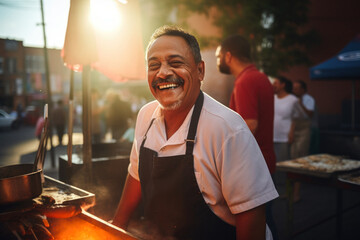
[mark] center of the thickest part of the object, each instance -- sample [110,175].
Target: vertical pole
[48,86]
[87,153]
[71,120]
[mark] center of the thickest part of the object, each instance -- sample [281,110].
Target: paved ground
[20,146]
[317,202]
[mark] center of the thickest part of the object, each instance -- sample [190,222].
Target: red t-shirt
[253,98]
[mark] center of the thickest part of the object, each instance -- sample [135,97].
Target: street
[15,143]
[20,146]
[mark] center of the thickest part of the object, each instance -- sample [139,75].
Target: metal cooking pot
[19,183]
[23,182]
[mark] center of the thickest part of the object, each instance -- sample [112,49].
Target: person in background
[19,111]
[252,98]
[302,132]
[304,121]
[59,120]
[194,162]
[128,136]
[117,115]
[286,105]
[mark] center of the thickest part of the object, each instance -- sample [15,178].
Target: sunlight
[105,14]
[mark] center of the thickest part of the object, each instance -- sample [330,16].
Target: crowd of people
[198,169]
[112,118]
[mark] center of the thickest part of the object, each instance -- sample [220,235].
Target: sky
[19,20]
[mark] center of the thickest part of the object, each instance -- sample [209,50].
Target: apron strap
[190,140]
[145,136]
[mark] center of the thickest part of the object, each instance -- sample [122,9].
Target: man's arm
[129,201]
[308,112]
[251,224]
[252,124]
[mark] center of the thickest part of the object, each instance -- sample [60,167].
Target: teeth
[170,85]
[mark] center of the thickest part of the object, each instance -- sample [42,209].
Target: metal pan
[19,183]
[23,182]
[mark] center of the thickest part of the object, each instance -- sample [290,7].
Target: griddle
[78,196]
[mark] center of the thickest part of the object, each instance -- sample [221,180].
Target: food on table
[322,163]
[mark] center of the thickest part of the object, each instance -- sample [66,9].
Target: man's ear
[228,57]
[201,70]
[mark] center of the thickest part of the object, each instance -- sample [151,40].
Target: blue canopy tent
[343,66]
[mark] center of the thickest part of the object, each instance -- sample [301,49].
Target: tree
[277,29]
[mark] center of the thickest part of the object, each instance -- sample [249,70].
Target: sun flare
[105,14]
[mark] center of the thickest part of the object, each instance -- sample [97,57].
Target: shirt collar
[181,134]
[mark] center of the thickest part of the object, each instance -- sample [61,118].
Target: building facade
[12,74]
[23,78]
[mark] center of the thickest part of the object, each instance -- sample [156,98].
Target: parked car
[7,121]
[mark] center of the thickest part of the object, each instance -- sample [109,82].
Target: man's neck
[281,94]
[239,67]
[173,120]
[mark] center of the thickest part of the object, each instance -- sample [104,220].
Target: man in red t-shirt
[252,98]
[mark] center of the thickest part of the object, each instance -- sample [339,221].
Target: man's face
[220,61]
[173,76]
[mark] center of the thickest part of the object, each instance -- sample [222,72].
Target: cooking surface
[322,165]
[64,197]
[81,225]
[64,193]
[87,226]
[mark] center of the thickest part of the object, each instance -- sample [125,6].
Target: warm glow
[105,14]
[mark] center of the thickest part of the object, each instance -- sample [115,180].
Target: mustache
[170,79]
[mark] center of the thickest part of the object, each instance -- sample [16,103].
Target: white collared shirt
[229,167]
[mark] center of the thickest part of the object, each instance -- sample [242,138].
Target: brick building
[12,92]
[23,79]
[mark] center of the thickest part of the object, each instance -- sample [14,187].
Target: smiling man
[194,162]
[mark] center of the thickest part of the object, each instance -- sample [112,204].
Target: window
[11,65]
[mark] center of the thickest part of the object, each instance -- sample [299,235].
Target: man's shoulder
[308,97]
[252,76]
[214,106]
[253,70]
[219,114]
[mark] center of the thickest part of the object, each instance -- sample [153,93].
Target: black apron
[172,200]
